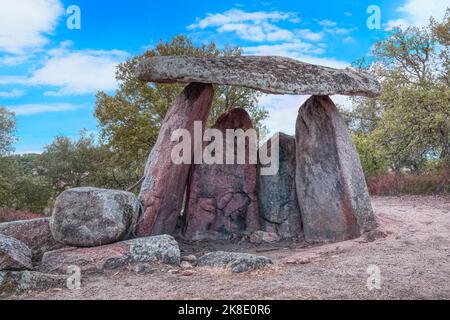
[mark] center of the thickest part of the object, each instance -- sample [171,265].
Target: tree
[7,130]
[131,118]
[409,123]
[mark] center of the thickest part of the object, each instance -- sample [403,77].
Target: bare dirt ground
[414,263]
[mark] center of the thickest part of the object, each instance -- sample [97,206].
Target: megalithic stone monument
[332,192]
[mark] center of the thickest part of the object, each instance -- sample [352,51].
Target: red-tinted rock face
[34,233]
[332,192]
[165,182]
[221,198]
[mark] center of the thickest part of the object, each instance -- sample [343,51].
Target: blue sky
[49,74]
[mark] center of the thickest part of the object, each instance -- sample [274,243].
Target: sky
[51,67]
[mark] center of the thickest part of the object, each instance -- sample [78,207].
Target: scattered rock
[34,233]
[85,217]
[334,201]
[190,258]
[374,235]
[14,255]
[143,268]
[165,182]
[221,199]
[17,282]
[268,74]
[186,265]
[236,262]
[278,205]
[259,237]
[162,248]
[187,273]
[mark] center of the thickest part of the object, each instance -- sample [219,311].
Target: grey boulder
[17,282]
[276,75]
[161,248]
[86,217]
[234,261]
[14,255]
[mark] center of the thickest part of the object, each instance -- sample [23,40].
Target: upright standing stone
[334,200]
[278,205]
[165,182]
[221,199]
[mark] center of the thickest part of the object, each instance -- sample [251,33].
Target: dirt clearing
[413,261]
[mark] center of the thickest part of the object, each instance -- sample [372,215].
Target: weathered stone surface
[165,182]
[332,192]
[234,261]
[17,282]
[260,236]
[278,205]
[14,255]
[277,75]
[85,217]
[221,198]
[161,248]
[34,233]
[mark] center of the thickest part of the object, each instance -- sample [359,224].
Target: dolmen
[319,191]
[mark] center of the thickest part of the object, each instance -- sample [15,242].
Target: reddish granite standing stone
[221,198]
[165,182]
[332,192]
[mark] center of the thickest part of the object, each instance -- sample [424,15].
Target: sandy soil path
[413,260]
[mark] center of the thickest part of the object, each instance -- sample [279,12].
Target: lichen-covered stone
[221,198]
[17,282]
[234,261]
[14,255]
[277,75]
[331,188]
[35,233]
[165,182]
[278,205]
[161,248]
[85,217]
[260,236]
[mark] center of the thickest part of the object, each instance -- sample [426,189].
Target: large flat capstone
[277,75]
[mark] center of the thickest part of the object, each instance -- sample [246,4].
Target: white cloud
[30,109]
[73,72]
[418,12]
[288,49]
[327,23]
[15,93]
[25,24]
[348,13]
[297,50]
[283,110]
[13,60]
[79,72]
[310,35]
[252,26]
